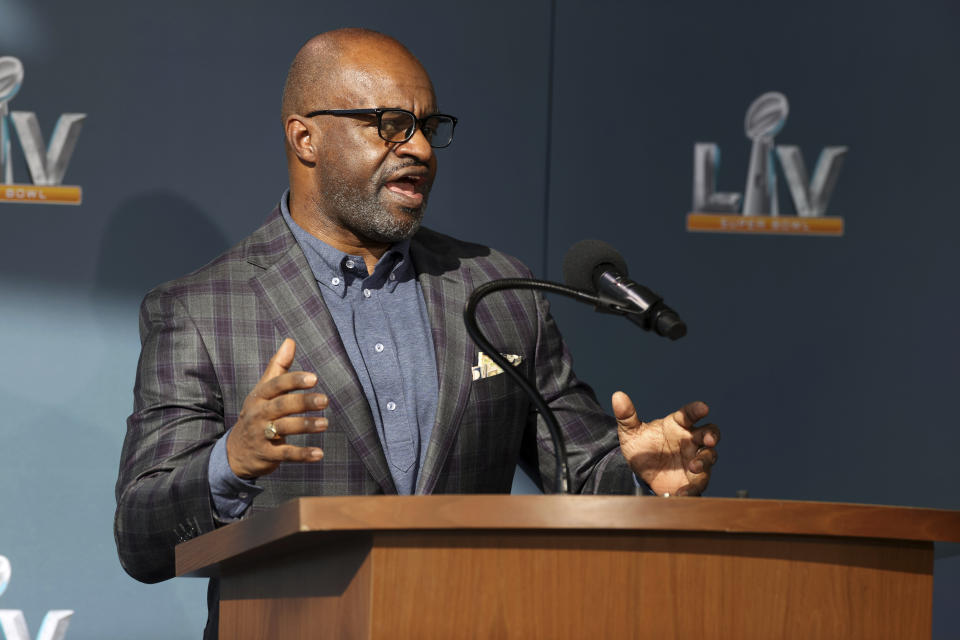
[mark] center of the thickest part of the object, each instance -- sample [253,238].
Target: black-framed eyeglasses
[399,125]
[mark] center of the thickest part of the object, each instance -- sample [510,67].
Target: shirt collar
[332,267]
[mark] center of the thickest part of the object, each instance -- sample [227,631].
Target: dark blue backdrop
[830,363]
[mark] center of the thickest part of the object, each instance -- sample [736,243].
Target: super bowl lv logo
[14,625]
[721,211]
[47,163]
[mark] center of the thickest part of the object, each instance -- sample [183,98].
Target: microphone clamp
[646,309]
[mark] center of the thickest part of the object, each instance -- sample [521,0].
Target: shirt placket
[380,354]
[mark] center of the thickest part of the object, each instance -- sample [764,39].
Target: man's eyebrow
[431,109]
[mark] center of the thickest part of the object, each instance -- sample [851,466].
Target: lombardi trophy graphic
[716,211]
[47,163]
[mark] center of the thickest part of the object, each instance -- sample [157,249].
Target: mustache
[410,167]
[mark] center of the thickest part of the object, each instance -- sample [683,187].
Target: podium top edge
[620,514]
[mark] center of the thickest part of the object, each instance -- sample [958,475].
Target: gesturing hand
[670,454]
[250,449]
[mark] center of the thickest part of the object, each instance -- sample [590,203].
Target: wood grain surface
[320,592]
[527,584]
[202,556]
[705,586]
[573,567]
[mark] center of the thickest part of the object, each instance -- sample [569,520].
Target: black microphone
[595,266]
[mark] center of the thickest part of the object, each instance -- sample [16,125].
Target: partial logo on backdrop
[47,163]
[14,625]
[716,211]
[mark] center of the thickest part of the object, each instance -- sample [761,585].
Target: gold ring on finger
[270,433]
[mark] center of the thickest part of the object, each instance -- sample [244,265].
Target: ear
[303,138]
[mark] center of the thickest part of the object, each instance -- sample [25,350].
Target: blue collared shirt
[383,323]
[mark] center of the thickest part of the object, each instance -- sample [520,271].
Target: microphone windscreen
[584,257]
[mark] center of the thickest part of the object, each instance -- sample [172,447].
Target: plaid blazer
[207,337]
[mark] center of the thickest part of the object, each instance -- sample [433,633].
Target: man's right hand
[250,452]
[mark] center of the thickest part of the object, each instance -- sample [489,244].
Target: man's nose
[417,146]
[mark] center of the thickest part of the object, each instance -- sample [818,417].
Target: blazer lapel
[445,293]
[290,293]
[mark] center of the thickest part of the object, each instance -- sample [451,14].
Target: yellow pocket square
[486,367]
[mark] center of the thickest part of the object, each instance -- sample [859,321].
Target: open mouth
[411,186]
[406,185]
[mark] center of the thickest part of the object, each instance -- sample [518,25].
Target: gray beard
[366,217]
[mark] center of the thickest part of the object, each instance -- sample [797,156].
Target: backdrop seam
[544,273]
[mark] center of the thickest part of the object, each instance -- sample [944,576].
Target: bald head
[318,68]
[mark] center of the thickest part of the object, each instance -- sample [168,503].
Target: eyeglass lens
[399,126]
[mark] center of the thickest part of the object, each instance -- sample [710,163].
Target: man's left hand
[670,454]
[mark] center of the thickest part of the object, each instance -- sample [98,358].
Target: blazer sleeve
[163,493]
[590,434]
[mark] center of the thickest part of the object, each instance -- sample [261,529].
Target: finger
[290,453]
[293,426]
[624,411]
[688,415]
[704,460]
[281,360]
[697,486]
[293,403]
[706,436]
[284,383]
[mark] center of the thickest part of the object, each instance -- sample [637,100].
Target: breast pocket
[496,402]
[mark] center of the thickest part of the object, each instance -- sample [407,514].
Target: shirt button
[378,347]
[335,281]
[366,293]
[391,406]
[349,264]
[393,276]
[243,495]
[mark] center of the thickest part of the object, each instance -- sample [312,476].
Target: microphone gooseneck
[561,471]
[596,274]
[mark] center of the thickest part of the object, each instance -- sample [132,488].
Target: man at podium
[326,353]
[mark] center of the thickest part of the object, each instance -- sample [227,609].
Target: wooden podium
[477,566]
